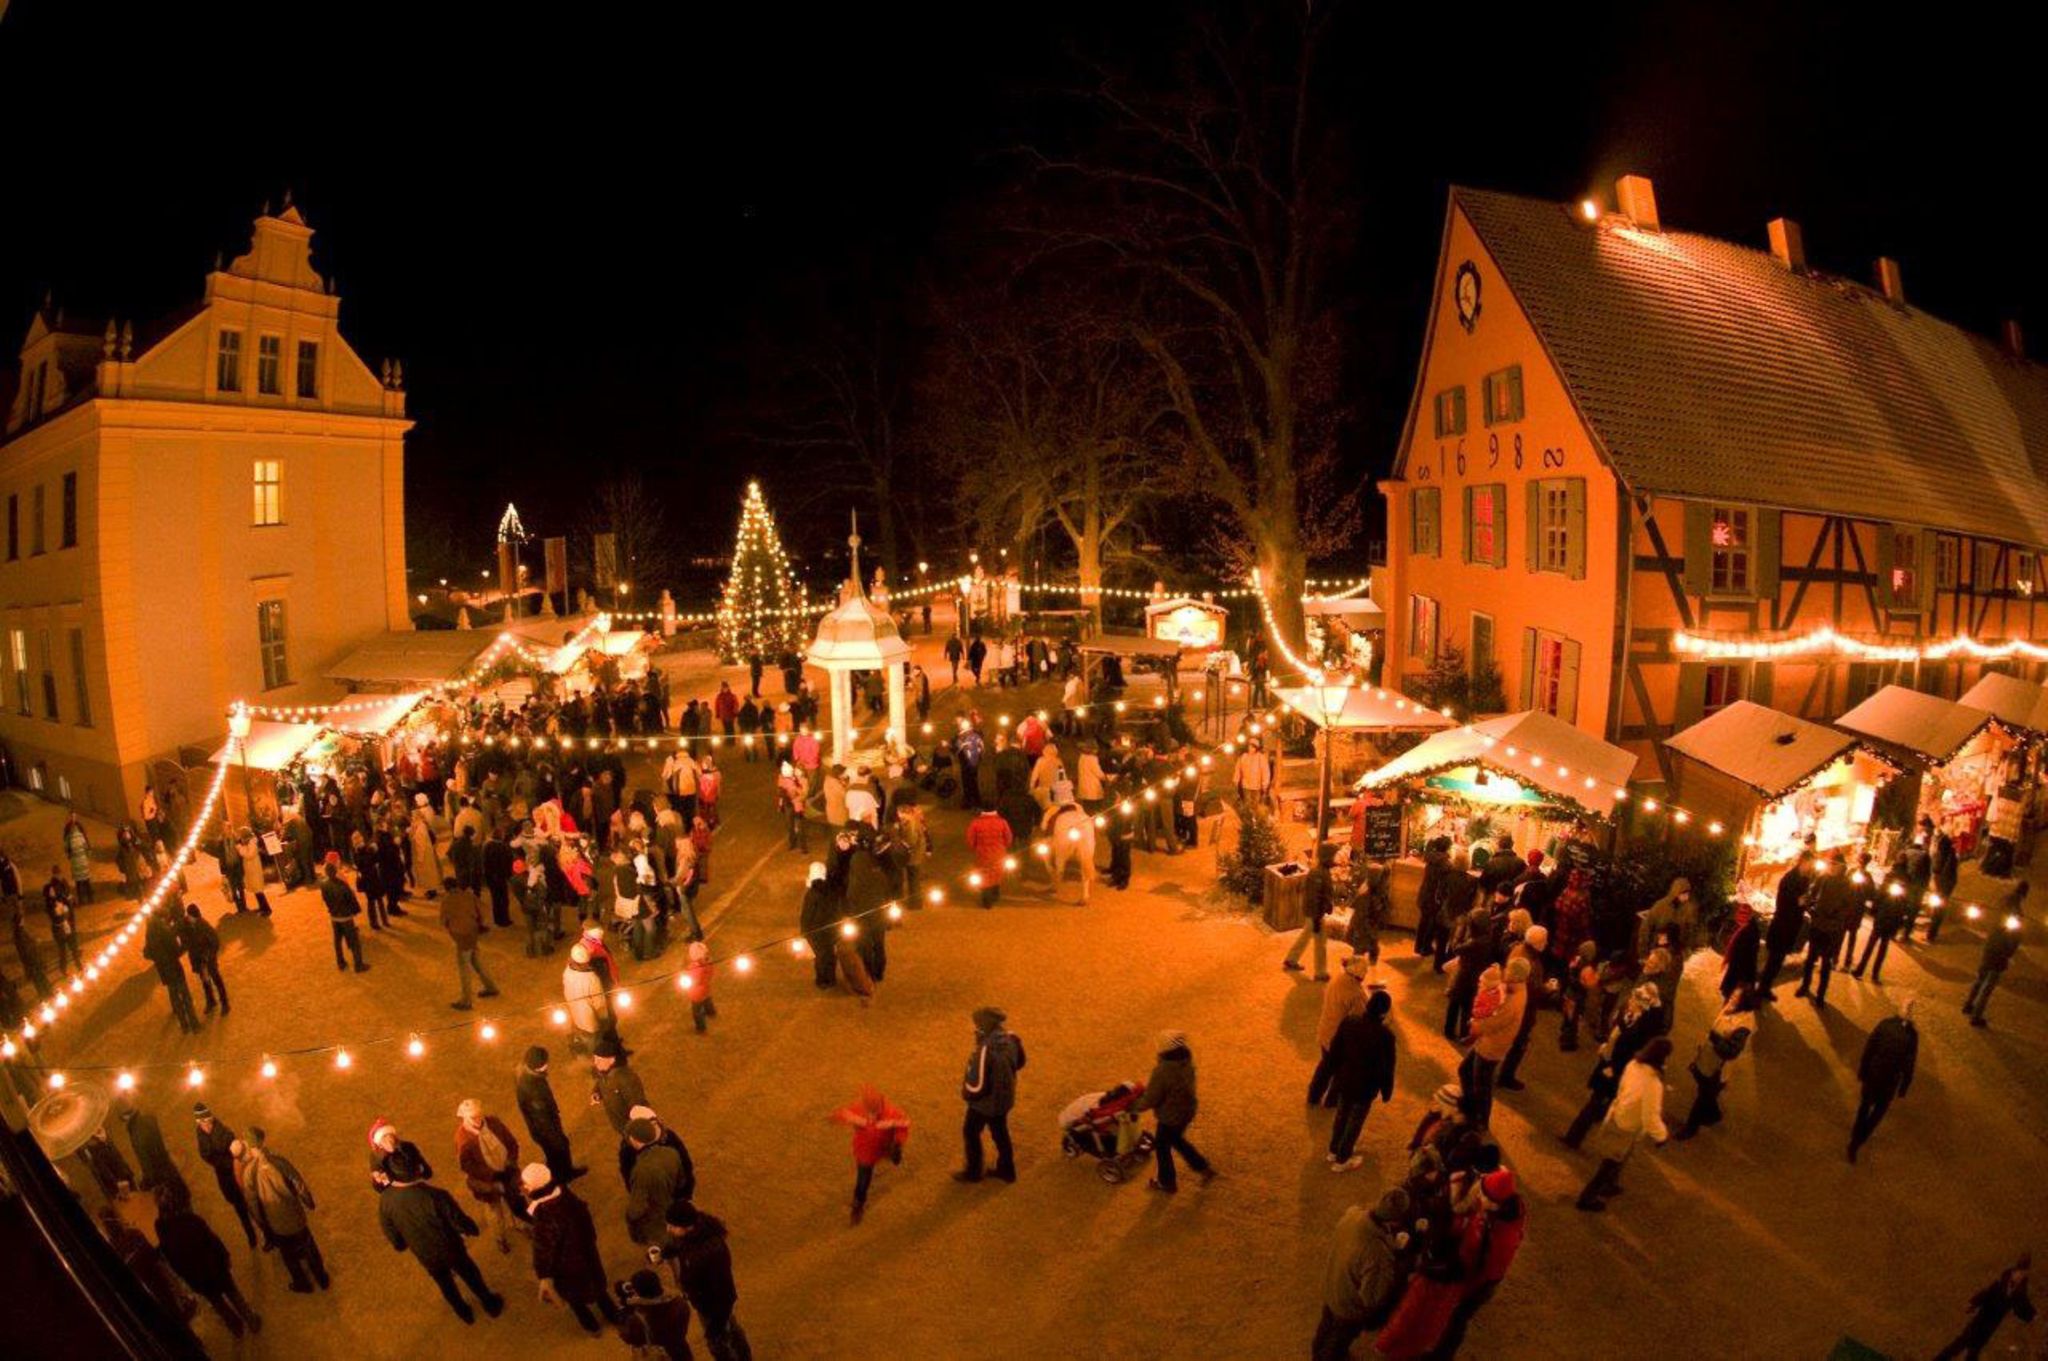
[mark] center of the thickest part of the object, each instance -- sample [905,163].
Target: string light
[1827,640]
[269,1068]
[342,1060]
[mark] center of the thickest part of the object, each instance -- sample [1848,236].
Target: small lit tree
[762,612]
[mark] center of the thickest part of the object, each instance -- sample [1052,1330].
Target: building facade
[206,509]
[1642,468]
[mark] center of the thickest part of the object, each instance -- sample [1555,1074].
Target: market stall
[1529,776]
[1351,723]
[1345,630]
[1775,780]
[249,795]
[1112,662]
[2021,807]
[1194,625]
[1953,757]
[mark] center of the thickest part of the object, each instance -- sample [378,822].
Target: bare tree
[647,556]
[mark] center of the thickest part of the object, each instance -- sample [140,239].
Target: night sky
[579,237]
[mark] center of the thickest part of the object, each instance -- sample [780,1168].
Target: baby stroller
[1103,1125]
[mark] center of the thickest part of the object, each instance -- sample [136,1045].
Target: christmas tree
[762,612]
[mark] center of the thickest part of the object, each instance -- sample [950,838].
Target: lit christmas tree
[762,612]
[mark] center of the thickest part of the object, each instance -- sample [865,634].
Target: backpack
[1728,1048]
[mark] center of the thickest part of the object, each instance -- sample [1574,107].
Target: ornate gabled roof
[859,633]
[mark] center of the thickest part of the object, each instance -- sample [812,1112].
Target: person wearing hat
[1530,952]
[1885,1071]
[201,1260]
[1988,1309]
[2001,943]
[342,910]
[818,919]
[1633,1029]
[1170,1096]
[655,1321]
[537,1106]
[146,1137]
[1488,1242]
[488,1155]
[566,1259]
[1343,996]
[618,1088]
[697,1254]
[425,1220]
[1362,1279]
[880,1129]
[990,1090]
[1637,1111]
[216,1149]
[394,1159]
[279,1197]
[1492,1035]
[656,1177]
[588,1002]
[1362,1067]
[664,1136]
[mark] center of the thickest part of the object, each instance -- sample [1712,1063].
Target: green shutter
[1499,491]
[1486,399]
[1764,558]
[1692,695]
[1575,527]
[1699,547]
[1466,552]
[1528,668]
[1515,392]
[1883,560]
[1762,676]
[1568,684]
[1458,409]
[1532,525]
[1926,583]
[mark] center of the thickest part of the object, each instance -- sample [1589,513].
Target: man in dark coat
[696,1251]
[1503,866]
[162,948]
[1788,918]
[196,1253]
[425,1221]
[655,1177]
[990,1090]
[566,1259]
[216,1149]
[543,1117]
[498,876]
[1988,1308]
[819,920]
[1436,868]
[202,947]
[152,1157]
[342,911]
[1886,1071]
[1837,903]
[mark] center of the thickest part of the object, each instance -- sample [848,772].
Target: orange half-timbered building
[1641,465]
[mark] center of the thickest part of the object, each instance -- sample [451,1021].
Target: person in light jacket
[1638,1111]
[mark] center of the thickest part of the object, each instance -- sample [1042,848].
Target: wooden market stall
[2020,807]
[1346,630]
[1195,625]
[1952,756]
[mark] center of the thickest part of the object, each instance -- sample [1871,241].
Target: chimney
[2015,343]
[1888,281]
[1637,198]
[1788,243]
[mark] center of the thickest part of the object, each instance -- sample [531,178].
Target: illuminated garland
[1827,640]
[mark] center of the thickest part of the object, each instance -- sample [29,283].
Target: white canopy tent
[1926,726]
[2019,704]
[1533,749]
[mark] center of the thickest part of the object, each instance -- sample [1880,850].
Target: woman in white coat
[1638,1110]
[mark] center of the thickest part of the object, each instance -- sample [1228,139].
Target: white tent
[1533,749]
[2019,704]
[270,746]
[1926,726]
[1769,751]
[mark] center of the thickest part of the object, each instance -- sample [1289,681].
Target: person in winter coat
[657,1172]
[1364,1274]
[819,922]
[393,1158]
[1316,904]
[1428,1300]
[425,1221]
[566,1259]
[1885,1070]
[164,949]
[698,987]
[1944,866]
[2001,943]
[1837,903]
[543,1116]
[427,871]
[880,1129]
[279,1198]
[1170,1096]
[655,1321]
[1492,1037]
[1371,904]
[140,1256]
[989,839]
[1675,911]
[1488,1239]
[1725,1042]
[1343,996]
[664,1137]
[697,1255]
[216,1149]
[1531,954]
[196,1253]
[1436,873]
[462,919]
[619,1088]
[1633,1030]
[1362,1063]
[588,1001]
[1788,919]
[1471,944]
[1739,961]
[1988,1309]
[146,1137]
[489,1158]
[1638,1110]
[990,1089]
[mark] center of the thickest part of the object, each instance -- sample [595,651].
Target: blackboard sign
[1383,831]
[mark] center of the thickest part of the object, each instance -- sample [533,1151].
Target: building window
[1481,651]
[1984,577]
[309,369]
[48,663]
[1486,524]
[1550,676]
[1422,628]
[1732,528]
[35,521]
[270,642]
[13,526]
[67,525]
[1948,562]
[1425,518]
[1905,564]
[1503,390]
[227,374]
[270,365]
[269,491]
[1450,412]
[1724,687]
[80,690]
[1865,680]
[1557,525]
[17,647]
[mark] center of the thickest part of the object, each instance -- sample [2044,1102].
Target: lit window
[1425,511]
[1503,390]
[1450,412]
[269,491]
[309,369]
[17,647]
[269,365]
[1553,674]
[1905,565]
[227,375]
[1732,527]
[270,643]
[81,690]
[1422,627]
[1482,524]
[1724,687]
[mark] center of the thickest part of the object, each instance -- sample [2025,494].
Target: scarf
[492,1148]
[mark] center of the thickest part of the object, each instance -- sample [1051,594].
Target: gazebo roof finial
[853,543]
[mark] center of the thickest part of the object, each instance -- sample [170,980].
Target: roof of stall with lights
[1708,369]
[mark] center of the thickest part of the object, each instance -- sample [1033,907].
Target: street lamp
[239,725]
[1330,702]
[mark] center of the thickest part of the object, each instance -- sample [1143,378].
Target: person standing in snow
[566,1259]
[990,1090]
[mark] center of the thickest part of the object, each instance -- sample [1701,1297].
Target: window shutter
[1568,684]
[1532,525]
[1575,527]
[1692,695]
[1927,569]
[1528,668]
[1458,409]
[1761,677]
[1515,391]
[1699,547]
[1499,491]
[1764,558]
[1467,553]
[1486,406]
[1883,560]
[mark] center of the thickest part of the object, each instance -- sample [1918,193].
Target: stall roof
[1124,645]
[1926,726]
[270,746]
[413,657]
[379,718]
[1769,751]
[1360,610]
[2014,702]
[1530,748]
[1361,708]
[1175,602]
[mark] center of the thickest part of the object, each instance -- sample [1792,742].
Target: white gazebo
[859,636]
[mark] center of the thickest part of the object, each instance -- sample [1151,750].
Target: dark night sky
[567,232]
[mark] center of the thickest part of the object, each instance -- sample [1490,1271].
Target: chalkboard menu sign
[1383,831]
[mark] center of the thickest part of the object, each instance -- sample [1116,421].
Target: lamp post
[1330,700]
[238,733]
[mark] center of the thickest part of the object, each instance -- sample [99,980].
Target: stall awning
[378,717]
[1533,749]
[1359,611]
[2014,702]
[1926,726]
[413,657]
[1125,646]
[1360,708]
[1771,752]
[271,746]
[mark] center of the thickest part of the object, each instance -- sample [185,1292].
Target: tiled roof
[1709,369]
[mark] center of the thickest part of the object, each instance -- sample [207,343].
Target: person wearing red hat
[1488,1240]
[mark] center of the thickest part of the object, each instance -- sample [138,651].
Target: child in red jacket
[880,1130]
[699,990]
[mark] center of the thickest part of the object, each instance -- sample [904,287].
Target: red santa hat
[379,1127]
